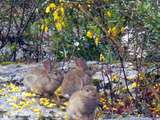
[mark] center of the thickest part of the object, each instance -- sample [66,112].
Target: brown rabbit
[82,104]
[76,78]
[43,80]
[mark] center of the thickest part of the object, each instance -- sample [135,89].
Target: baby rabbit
[82,104]
[43,80]
[74,78]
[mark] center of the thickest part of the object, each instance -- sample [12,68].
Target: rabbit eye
[87,90]
[55,73]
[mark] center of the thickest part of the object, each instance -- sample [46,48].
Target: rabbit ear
[82,84]
[47,65]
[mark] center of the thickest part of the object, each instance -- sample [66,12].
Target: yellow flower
[63,23]
[102,58]
[33,100]
[97,40]
[51,105]
[109,14]
[109,30]
[89,5]
[28,102]
[102,100]
[11,85]
[121,103]
[29,94]
[21,103]
[14,98]
[62,107]
[47,103]
[122,29]
[58,92]
[56,16]
[36,110]
[44,101]
[20,109]
[14,89]
[1,91]
[106,107]
[59,14]
[141,76]
[115,77]
[99,114]
[52,5]
[6,95]
[44,28]
[66,103]
[133,85]
[58,26]
[14,105]
[48,9]
[90,34]
[113,32]
[62,11]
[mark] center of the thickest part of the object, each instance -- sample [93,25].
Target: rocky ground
[18,104]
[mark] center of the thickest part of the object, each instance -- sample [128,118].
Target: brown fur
[76,78]
[43,80]
[83,103]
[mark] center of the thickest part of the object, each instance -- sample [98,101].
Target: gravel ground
[15,72]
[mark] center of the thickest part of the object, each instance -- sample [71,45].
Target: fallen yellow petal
[36,110]
[66,103]
[51,105]
[62,107]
